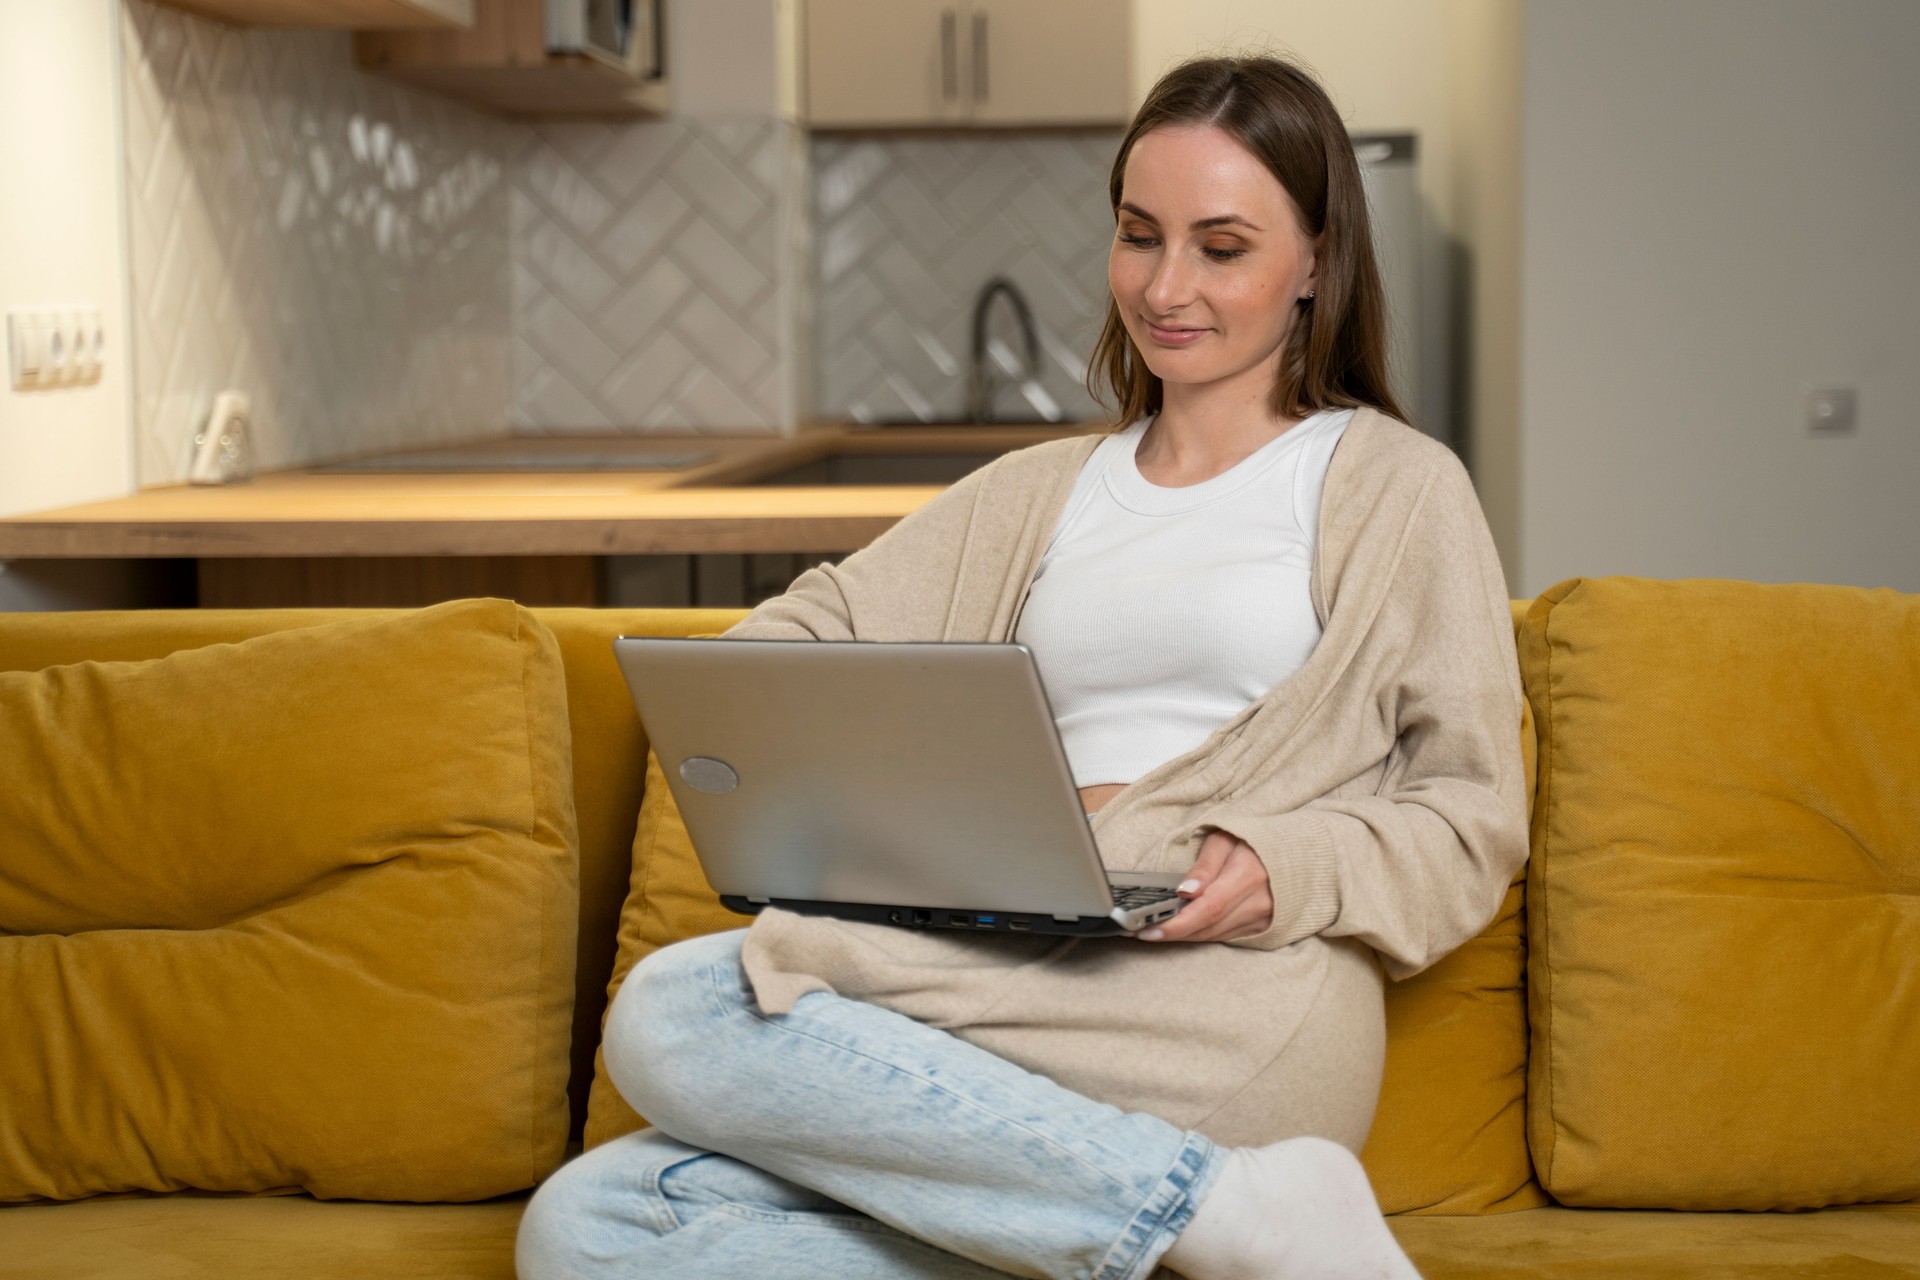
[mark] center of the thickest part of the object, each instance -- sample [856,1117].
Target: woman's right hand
[1228,895]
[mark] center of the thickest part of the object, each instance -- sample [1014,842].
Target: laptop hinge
[1064,919]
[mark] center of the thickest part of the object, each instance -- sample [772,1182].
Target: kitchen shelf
[501,64]
[396,15]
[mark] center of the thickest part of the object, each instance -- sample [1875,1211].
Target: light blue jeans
[842,1140]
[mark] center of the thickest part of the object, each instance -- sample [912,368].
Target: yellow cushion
[611,754]
[605,731]
[291,913]
[1725,923]
[1450,1133]
[670,900]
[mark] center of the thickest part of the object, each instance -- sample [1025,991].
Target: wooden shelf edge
[335,15]
[566,88]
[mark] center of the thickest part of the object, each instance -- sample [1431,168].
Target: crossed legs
[844,1140]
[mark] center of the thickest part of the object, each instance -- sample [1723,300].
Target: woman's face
[1208,262]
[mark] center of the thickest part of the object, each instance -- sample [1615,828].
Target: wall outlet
[223,451]
[1832,411]
[55,347]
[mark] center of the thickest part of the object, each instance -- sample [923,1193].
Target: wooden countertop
[314,512]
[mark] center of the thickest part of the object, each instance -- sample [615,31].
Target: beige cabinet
[965,63]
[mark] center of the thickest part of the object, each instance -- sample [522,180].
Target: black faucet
[980,379]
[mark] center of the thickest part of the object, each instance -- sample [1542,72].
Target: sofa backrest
[609,745]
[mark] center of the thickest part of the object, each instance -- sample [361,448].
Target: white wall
[62,244]
[1721,205]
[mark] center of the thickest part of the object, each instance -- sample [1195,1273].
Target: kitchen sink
[552,455]
[869,469]
[923,454]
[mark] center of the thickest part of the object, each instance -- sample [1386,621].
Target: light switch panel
[55,348]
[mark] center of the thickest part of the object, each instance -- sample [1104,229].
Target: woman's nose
[1171,285]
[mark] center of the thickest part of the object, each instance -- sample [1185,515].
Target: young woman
[1275,633]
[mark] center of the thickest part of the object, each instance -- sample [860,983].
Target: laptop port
[1020,924]
[895,916]
[986,922]
[955,918]
[923,917]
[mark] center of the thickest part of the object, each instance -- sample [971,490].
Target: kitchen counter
[319,512]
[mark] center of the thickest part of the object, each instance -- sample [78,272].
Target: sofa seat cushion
[190,1236]
[296,912]
[1863,1242]
[1724,894]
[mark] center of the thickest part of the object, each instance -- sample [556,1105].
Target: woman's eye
[1223,255]
[1139,241]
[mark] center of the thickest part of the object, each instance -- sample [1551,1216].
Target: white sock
[1301,1209]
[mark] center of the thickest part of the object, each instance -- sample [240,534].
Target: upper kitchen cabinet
[554,58]
[876,64]
[356,14]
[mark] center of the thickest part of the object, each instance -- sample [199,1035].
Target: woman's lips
[1175,337]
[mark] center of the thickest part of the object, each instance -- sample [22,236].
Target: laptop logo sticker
[704,773]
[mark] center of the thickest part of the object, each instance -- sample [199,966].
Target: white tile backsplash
[654,285]
[379,267]
[329,242]
[909,227]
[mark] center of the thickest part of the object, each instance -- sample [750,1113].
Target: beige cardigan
[1381,784]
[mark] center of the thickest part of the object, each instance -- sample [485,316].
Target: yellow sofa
[295,1235]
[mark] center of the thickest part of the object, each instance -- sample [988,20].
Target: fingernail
[1188,886]
[1154,935]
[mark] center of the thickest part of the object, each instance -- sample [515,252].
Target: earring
[1309,297]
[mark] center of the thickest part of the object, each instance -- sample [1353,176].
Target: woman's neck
[1205,430]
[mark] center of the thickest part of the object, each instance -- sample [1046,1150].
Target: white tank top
[1159,614]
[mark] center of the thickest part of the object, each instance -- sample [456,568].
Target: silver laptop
[919,785]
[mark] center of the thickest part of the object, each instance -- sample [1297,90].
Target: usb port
[986,922]
[954,917]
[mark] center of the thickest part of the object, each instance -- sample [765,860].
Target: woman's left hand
[1230,896]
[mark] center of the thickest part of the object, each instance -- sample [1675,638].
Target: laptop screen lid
[866,772]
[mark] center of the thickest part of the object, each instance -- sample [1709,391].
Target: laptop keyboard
[1138,895]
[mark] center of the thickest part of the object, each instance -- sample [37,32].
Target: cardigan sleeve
[1420,866]
[900,586]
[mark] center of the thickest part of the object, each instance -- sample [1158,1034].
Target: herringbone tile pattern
[653,277]
[378,267]
[908,228]
[331,243]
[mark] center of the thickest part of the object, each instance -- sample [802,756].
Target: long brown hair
[1336,349]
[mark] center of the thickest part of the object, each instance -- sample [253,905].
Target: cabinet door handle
[949,54]
[980,57]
